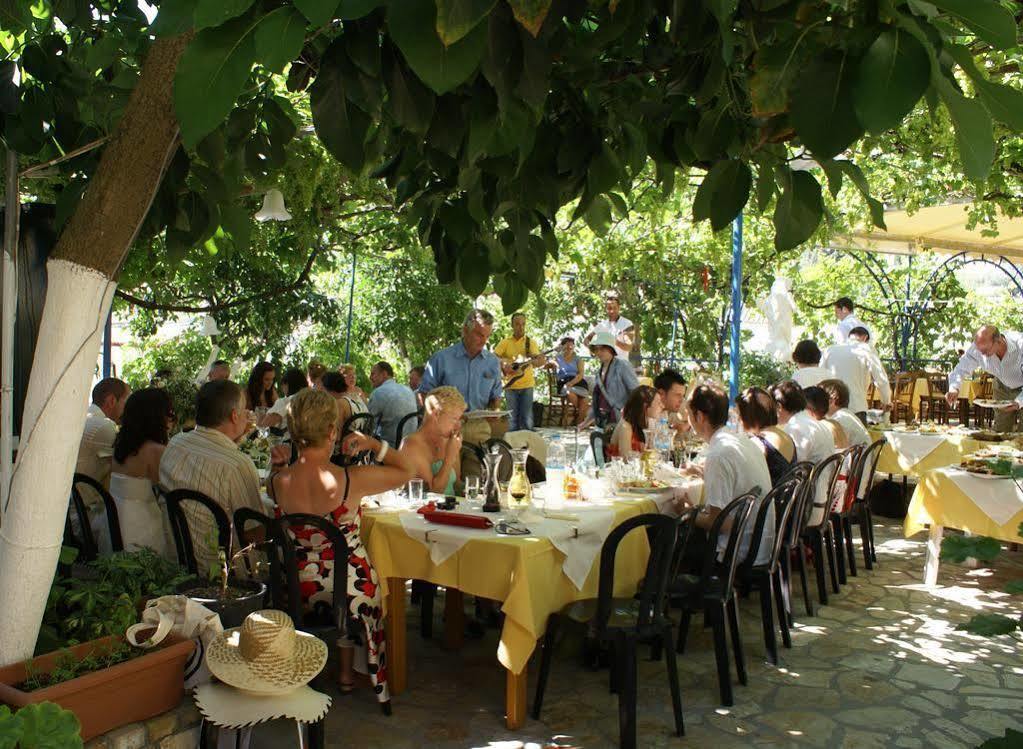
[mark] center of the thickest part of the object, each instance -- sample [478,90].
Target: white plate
[642,489]
[984,475]
[987,403]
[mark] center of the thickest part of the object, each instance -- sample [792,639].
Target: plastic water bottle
[662,437]
[555,472]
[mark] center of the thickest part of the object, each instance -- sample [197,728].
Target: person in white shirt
[621,328]
[207,459]
[807,357]
[817,402]
[838,411]
[733,466]
[857,365]
[293,382]
[1000,355]
[101,420]
[847,320]
[813,440]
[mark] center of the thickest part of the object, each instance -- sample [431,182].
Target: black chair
[817,521]
[274,577]
[400,430]
[857,507]
[713,592]
[766,578]
[625,623]
[109,505]
[850,472]
[79,537]
[793,544]
[181,531]
[360,422]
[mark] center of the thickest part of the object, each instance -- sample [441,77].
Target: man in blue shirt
[469,368]
[389,402]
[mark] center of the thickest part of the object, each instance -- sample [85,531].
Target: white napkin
[912,448]
[441,540]
[579,540]
[999,499]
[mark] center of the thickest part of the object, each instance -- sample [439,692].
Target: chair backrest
[83,539]
[360,422]
[287,524]
[986,386]
[820,489]
[739,512]
[938,383]
[244,520]
[597,446]
[506,465]
[780,498]
[868,466]
[851,471]
[181,531]
[399,432]
[663,532]
[113,524]
[800,471]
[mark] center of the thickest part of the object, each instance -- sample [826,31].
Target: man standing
[519,354]
[847,320]
[389,402]
[857,364]
[101,420]
[621,328]
[998,354]
[473,371]
[219,370]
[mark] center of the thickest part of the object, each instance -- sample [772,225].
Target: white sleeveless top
[142,515]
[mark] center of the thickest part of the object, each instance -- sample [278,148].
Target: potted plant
[42,725]
[226,594]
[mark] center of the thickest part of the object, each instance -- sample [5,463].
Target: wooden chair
[933,405]
[983,389]
[903,392]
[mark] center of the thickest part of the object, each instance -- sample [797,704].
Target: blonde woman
[434,452]
[312,484]
[353,391]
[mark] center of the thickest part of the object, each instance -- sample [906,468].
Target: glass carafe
[519,491]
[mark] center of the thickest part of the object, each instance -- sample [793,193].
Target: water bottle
[662,437]
[555,471]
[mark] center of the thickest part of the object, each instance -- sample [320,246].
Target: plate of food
[986,435]
[986,468]
[990,403]
[642,486]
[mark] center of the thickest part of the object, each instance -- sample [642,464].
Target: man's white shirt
[615,328]
[1008,370]
[843,328]
[857,364]
[810,376]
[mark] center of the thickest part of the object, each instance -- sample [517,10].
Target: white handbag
[181,616]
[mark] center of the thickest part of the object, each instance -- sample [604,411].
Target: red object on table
[457,518]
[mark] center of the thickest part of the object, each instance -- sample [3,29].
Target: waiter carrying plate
[1000,355]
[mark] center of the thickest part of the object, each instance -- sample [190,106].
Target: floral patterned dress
[315,559]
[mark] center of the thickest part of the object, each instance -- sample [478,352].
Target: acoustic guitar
[519,367]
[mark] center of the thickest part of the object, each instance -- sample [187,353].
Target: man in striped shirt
[1000,355]
[208,460]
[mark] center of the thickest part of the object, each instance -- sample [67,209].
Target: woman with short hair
[435,450]
[759,420]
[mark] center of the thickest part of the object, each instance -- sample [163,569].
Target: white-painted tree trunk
[77,301]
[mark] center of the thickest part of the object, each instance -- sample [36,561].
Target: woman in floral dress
[312,484]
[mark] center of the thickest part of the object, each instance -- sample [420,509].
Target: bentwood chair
[713,592]
[625,623]
[181,531]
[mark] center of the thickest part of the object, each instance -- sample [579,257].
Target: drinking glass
[415,492]
[472,488]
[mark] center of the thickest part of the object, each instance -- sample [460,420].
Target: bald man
[1001,355]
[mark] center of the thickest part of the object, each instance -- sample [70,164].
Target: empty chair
[249,523]
[625,623]
[712,592]
[181,531]
[857,507]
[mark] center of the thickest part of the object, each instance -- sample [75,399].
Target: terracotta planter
[103,700]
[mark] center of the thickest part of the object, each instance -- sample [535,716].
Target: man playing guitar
[519,354]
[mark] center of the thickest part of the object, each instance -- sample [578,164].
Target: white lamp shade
[209,326]
[273,207]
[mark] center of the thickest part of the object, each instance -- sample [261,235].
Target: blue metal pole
[733,386]
[674,327]
[108,329]
[351,302]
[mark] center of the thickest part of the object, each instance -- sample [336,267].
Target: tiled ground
[881,666]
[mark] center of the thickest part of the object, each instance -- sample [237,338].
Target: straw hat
[266,655]
[602,338]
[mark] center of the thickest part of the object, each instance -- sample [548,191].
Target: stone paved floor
[882,666]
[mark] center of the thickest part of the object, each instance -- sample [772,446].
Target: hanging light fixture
[273,207]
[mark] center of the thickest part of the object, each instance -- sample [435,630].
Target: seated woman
[759,420]
[355,393]
[571,378]
[294,381]
[817,403]
[628,439]
[145,429]
[312,484]
[434,452]
[260,392]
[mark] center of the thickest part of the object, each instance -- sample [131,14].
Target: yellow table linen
[524,573]
[939,501]
[950,452]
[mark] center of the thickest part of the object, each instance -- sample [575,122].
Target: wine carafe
[491,489]
[519,491]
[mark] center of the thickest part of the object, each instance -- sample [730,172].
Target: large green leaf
[441,68]
[973,130]
[960,548]
[319,12]
[341,126]
[855,174]
[349,10]
[1003,102]
[472,268]
[1012,739]
[989,625]
[209,13]
[456,18]
[723,193]
[175,17]
[530,13]
[211,75]
[821,105]
[892,77]
[1015,587]
[986,18]
[46,725]
[598,215]
[411,103]
[279,38]
[605,171]
[798,211]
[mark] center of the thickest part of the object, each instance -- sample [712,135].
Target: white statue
[778,308]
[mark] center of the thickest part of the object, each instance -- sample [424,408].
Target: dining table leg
[397,634]
[454,619]
[515,698]
[933,554]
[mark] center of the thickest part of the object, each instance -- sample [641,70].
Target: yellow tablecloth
[951,452]
[939,501]
[524,573]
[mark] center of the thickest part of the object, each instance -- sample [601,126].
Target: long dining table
[529,575]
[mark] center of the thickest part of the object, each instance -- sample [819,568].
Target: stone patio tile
[897,719]
[865,740]
[935,677]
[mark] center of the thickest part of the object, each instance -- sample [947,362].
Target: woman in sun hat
[615,381]
[312,484]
